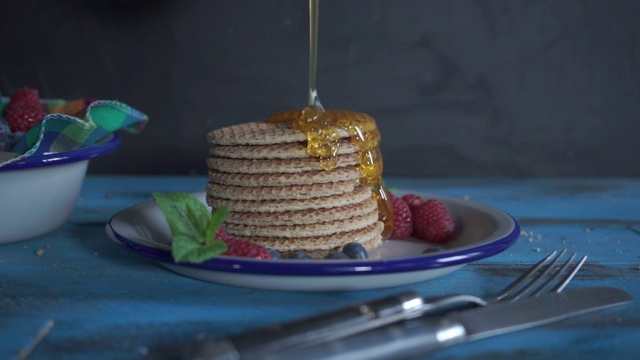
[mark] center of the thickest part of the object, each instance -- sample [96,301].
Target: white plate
[482,231]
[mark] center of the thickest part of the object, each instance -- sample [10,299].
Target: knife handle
[320,328]
[396,341]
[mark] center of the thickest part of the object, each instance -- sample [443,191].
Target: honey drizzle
[323,141]
[314,12]
[323,137]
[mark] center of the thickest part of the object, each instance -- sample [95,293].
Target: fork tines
[545,267]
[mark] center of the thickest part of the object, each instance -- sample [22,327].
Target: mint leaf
[184,213]
[192,226]
[183,249]
[216,220]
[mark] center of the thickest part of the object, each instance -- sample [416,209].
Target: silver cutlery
[426,334]
[380,312]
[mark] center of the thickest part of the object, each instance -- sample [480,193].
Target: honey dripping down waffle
[321,130]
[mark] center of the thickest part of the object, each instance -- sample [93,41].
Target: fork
[511,295]
[373,314]
[517,289]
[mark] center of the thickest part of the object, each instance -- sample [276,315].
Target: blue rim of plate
[329,267]
[90,152]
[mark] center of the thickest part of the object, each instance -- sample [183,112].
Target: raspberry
[412,200]
[240,247]
[402,219]
[26,96]
[244,248]
[22,117]
[222,234]
[432,222]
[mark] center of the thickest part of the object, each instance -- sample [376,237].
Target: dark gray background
[463,88]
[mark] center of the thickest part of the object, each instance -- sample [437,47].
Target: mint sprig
[193,227]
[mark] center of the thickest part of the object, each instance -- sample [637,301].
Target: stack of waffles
[281,198]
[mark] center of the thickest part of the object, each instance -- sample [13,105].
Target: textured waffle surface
[276,151]
[276,166]
[258,133]
[348,223]
[359,194]
[320,246]
[319,177]
[279,192]
[302,216]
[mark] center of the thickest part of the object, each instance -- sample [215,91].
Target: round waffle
[319,246]
[259,133]
[318,177]
[275,151]
[279,192]
[304,216]
[276,166]
[359,194]
[347,223]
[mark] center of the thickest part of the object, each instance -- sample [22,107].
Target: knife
[331,325]
[426,333]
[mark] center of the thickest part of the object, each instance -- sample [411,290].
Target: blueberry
[300,255]
[4,127]
[7,138]
[355,250]
[433,249]
[336,256]
[6,142]
[275,254]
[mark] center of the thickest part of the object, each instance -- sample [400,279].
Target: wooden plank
[110,304]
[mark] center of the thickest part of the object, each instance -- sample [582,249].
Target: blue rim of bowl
[104,147]
[230,264]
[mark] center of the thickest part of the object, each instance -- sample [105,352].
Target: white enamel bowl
[39,193]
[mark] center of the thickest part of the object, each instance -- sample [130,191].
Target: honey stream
[321,129]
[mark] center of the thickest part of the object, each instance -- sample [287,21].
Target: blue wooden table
[94,300]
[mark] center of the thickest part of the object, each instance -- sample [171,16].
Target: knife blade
[426,334]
